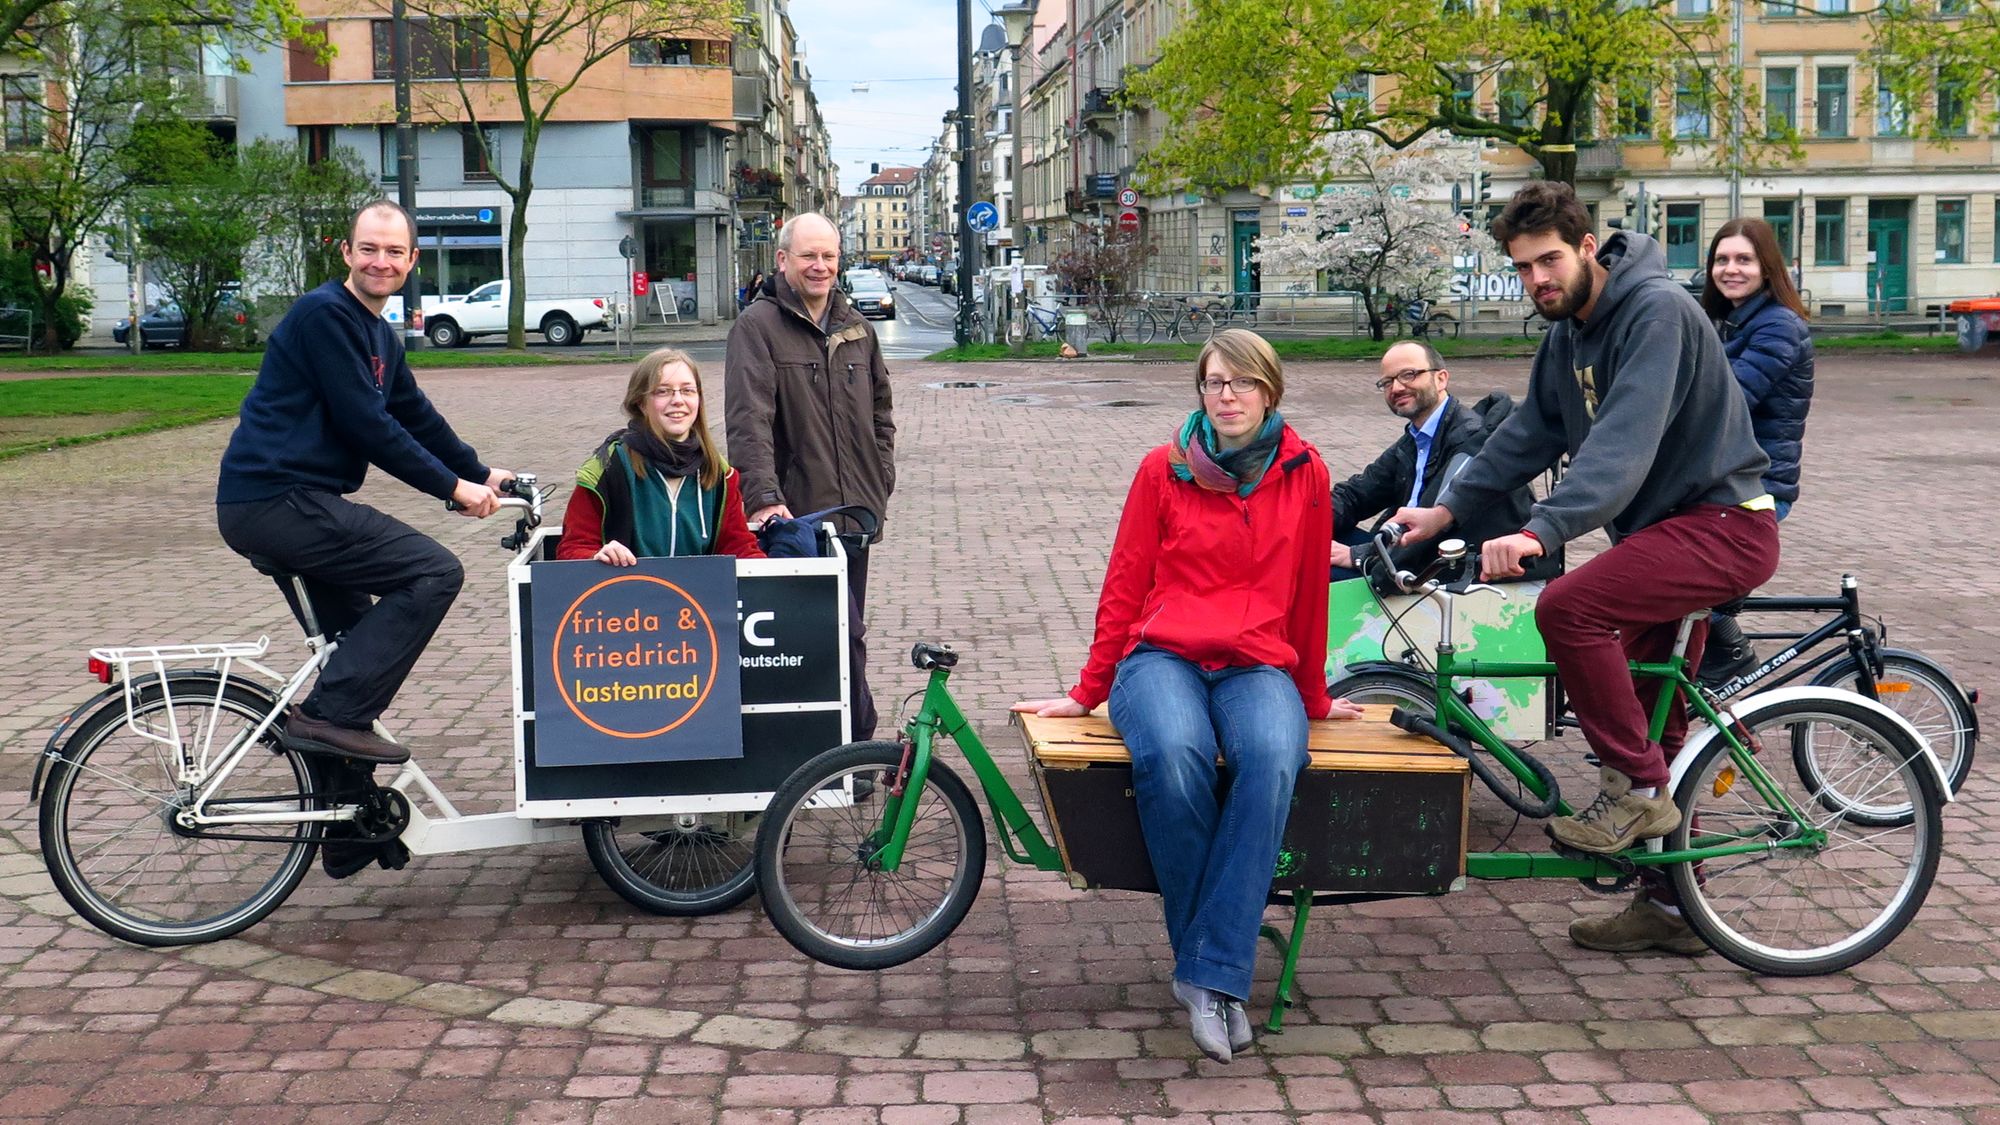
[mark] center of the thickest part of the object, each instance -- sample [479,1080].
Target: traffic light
[1656,217]
[1482,192]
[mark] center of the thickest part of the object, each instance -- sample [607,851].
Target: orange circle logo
[634,657]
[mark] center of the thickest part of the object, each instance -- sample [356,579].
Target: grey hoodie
[1642,399]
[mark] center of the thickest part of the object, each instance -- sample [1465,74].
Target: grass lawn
[38,414]
[176,361]
[1347,347]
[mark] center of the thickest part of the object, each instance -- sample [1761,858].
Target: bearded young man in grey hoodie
[1631,383]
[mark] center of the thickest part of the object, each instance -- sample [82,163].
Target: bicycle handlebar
[521,495]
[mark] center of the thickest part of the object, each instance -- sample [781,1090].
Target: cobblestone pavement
[513,986]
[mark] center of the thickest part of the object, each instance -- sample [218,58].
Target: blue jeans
[1213,846]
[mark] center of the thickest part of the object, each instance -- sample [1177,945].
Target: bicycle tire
[1412,692]
[1928,697]
[811,866]
[122,866]
[676,866]
[1874,880]
[1137,326]
[1193,326]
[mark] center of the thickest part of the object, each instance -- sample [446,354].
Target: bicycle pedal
[1628,872]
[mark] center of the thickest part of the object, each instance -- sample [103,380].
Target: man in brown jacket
[808,411]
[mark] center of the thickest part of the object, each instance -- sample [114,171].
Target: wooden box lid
[1368,743]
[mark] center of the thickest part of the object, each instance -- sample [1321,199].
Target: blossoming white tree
[1381,227]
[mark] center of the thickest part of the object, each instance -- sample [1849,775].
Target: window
[1693,9]
[1829,7]
[391,165]
[1515,98]
[1464,92]
[1351,98]
[1954,7]
[1781,100]
[1635,111]
[304,62]
[1683,236]
[1830,110]
[316,143]
[1782,215]
[1690,105]
[1950,232]
[1780,9]
[1829,232]
[1892,112]
[21,120]
[666,158]
[1954,106]
[680,52]
[439,48]
[478,156]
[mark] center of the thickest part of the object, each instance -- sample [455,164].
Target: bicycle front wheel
[108,828]
[1803,911]
[818,875]
[1193,326]
[679,866]
[1916,688]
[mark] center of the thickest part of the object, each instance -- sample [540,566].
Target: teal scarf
[1198,457]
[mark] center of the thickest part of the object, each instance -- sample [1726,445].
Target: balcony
[748,99]
[1598,159]
[758,184]
[207,97]
[1100,185]
[1098,102]
[665,195]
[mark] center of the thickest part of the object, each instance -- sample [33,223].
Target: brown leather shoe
[317,736]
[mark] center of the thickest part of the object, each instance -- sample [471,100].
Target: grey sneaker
[1240,1035]
[1639,927]
[1617,819]
[1206,1021]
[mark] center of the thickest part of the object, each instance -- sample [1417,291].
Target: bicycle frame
[1861,641]
[938,715]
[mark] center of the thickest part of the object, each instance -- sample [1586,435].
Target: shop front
[459,249]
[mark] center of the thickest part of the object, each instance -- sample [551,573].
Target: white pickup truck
[451,321]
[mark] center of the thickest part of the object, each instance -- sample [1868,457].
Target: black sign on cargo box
[791,645]
[638,664]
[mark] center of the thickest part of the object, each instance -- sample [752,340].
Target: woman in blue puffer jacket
[1750,296]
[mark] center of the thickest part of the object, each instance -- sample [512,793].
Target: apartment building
[883,207]
[695,148]
[1877,220]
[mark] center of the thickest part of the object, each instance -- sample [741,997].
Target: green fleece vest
[660,525]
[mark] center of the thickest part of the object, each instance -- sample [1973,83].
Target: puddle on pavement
[961,385]
[1020,400]
[1092,382]
[1117,403]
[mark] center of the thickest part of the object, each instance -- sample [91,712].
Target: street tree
[267,21]
[1102,265]
[97,110]
[200,222]
[512,65]
[1937,67]
[1380,230]
[1248,87]
[302,208]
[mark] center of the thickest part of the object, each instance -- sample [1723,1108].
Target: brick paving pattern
[514,986]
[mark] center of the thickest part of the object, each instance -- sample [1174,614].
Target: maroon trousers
[1627,604]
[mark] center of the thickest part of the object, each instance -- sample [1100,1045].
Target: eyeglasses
[1241,385]
[671,393]
[1406,377]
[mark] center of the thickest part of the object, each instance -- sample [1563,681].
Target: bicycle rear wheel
[1193,326]
[1137,326]
[816,872]
[1918,689]
[107,819]
[679,866]
[1808,910]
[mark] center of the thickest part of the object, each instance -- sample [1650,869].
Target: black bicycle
[1907,682]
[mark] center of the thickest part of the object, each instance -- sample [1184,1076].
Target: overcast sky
[903,51]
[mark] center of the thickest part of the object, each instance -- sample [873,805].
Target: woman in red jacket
[657,488]
[1211,641]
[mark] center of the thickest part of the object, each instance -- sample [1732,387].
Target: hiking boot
[1728,653]
[318,736]
[1206,1021]
[1617,819]
[1240,1034]
[1641,926]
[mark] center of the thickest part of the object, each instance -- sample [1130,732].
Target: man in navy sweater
[333,396]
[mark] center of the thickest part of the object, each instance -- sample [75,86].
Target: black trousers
[861,701]
[377,583]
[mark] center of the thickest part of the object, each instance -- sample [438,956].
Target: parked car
[451,321]
[870,294]
[163,326]
[927,274]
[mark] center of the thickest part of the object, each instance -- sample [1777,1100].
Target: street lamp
[1016,20]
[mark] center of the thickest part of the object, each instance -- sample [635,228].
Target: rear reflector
[101,669]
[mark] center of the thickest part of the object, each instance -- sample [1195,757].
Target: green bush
[21,289]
